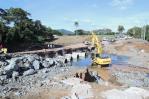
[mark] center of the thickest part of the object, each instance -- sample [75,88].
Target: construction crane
[97,58]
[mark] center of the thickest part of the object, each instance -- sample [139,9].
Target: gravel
[134,79]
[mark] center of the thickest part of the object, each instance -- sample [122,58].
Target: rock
[30,58]
[17,93]
[1,71]
[3,77]
[3,63]
[15,74]
[24,59]
[27,64]
[29,72]
[43,71]
[50,61]
[16,68]
[12,64]
[36,65]
[45,64]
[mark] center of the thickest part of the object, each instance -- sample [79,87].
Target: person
[77,75]
[71,60]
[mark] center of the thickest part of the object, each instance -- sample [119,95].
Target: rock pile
[28,71]
[25,65]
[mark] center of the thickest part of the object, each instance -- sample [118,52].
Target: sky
[91,14]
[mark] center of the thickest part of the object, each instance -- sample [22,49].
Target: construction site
[74,49]
[68,72]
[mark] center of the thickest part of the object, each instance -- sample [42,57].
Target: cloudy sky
[91,14]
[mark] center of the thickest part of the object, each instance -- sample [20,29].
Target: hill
[65,32]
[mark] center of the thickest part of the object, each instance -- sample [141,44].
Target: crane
[97,57]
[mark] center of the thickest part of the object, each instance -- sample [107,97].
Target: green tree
[55,32]
[120,29]
[135,32]
[16,27]
[80,32]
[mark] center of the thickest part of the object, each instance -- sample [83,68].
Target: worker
[71,60]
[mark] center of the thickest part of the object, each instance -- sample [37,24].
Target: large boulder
[36,65]
[29,72]
[50,61]
[30,58]
[27,64]
[11,65]
[45,64]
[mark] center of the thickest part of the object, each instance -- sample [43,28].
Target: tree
[76,24]
[55,32]
[38,27]
[80,32]
[121,29]
[135,32]
[16,27]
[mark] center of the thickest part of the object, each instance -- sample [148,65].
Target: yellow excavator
[97,58]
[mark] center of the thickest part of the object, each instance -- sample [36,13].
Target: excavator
[97,58]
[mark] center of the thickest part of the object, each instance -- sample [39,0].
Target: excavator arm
[96,44]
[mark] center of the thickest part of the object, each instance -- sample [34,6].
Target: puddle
[116,59]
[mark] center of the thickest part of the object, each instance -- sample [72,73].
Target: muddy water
[116,59]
